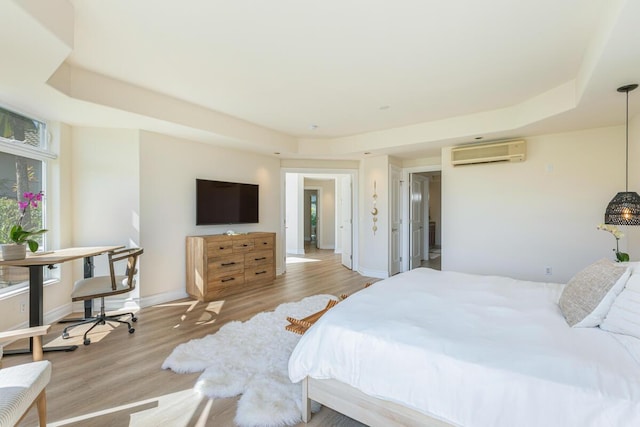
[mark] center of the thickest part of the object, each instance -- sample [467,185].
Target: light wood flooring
[118,380]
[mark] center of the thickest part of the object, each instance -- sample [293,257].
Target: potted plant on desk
[18,235]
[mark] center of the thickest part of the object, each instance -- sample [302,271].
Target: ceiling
[330,79]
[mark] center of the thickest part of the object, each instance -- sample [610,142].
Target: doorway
[318,213]
[425,243]
[311,217]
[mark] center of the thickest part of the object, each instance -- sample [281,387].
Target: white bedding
[474,351]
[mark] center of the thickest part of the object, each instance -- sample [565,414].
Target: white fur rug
[251,358]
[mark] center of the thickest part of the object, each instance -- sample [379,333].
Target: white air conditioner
[507,151]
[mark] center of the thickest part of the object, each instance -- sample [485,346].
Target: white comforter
[474,351]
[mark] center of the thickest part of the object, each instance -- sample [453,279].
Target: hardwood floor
[118,380]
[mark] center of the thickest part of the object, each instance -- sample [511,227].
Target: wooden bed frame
[361,407]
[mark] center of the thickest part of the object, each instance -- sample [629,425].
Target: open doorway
[425,243]
[318,213]
[311,218]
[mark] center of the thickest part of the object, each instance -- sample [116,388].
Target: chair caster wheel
[134,319]
[65,335]
[87,341]
[131,330]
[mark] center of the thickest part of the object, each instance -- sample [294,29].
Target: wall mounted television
[219,202]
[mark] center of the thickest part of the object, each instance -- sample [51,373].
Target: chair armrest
[36,332]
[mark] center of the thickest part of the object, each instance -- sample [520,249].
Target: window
[23,163]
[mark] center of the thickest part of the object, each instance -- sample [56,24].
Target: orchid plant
[620,256]
[20,236]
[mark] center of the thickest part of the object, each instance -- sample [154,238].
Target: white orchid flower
[620,256]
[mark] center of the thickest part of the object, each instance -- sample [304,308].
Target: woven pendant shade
[623,209]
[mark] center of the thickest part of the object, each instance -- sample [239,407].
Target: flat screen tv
[219,202]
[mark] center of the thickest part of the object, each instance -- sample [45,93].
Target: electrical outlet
[23,307]
[548,271]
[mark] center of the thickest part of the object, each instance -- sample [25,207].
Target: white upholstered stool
[22,386]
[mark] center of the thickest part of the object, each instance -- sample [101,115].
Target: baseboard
[51,316]
[326,247]
[111,304]
[296,252]
[57,313]
[162,298]
[114,303]
[378,274]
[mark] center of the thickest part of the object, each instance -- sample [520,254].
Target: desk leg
[36,310]
[88,268]
[36,279]
[88,272]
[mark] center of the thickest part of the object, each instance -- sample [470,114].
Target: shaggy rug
[251,359]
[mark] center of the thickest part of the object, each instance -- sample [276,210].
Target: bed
[434,348]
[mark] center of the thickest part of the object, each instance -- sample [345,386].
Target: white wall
[168,170]
[633,233]
[105,170]
[294,189]
[515,219]
[374,248]
[105,186]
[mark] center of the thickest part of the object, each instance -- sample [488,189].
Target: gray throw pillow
[587,298]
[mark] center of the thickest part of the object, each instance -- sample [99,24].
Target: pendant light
[624,208]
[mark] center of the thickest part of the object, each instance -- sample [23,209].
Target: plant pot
[12,252]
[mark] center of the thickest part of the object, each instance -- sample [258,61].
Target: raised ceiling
[324,79]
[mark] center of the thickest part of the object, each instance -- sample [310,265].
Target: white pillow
[624,315]
[633,265]
[587,298]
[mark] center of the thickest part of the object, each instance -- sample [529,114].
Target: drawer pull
[260,259]
[224,264]
[221,248]
[264,243]
[245,245]
[228,279]
[261,272]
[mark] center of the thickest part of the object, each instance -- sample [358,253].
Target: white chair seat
[19,387]
[96,286]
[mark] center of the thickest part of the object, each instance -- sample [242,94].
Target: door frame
[406,206]
[354,208]
[424,201]
[401,190]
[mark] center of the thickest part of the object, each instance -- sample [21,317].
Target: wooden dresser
[219,265]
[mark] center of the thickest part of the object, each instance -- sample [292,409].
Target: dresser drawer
[225,266]
[242,245]
[257,258]
[224,285]
[258,273]
[219,248]
[266,242]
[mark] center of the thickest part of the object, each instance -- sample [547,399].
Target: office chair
[105,286]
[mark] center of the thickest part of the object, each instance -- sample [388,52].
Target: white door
[345,225]
[418,245]
[395,209]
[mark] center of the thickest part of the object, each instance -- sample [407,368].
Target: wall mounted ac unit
[507,151]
